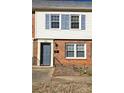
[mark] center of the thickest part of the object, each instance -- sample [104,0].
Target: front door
[45,54]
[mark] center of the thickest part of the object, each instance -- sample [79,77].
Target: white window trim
[38,51]
[85,52]
[59,21]
[80,22]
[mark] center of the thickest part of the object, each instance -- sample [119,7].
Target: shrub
[89,70]
[83,70]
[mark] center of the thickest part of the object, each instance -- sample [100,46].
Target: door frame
[39,43]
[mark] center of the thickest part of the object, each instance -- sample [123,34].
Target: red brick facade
[35,50]
[60,57]
[33,25]
[35,43]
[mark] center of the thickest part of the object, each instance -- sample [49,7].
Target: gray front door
[45,54]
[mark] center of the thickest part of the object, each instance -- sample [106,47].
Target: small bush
[83,70]
[89,70]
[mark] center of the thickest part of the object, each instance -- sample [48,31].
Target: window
[80,50]
[74,22]
[70,50]
[75,50]
[54,21]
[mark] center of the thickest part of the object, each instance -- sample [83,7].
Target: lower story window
[75,50]
[70,50]
[80,50]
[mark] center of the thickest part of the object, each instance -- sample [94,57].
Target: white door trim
[45,41]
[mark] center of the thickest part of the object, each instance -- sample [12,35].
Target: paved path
[73,78]
[42,74]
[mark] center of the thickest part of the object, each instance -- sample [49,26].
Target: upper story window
[54,21]
[74,22]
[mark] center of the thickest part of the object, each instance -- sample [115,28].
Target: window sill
[77,30]
[75,57]
[54,29]
[74,29]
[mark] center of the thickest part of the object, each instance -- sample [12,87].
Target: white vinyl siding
[43,29]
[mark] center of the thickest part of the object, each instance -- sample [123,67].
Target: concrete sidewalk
[39,74]
[73,78]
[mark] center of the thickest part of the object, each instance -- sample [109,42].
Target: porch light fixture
[56,45]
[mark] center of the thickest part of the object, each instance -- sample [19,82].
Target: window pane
[69,47]
[74,25]
[70,50]
[80,53]
[55,25]
[80,47]
[75,18]
[74,21]
[70,54]
[54,18]
[80,50]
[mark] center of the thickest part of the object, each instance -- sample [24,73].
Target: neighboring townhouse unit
[62,32]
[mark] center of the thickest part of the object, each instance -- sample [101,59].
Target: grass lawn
[63,85]
[63,80]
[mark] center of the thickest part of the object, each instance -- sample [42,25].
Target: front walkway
[73,78]
[40,74]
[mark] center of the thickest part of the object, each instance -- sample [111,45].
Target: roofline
[85,39]
[62,9]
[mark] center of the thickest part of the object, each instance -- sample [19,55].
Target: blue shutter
[83,21]
[64,22]
[47,21]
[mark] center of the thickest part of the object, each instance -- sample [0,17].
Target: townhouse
[61,33]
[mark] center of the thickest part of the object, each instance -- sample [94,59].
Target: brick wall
[61,55]
[33,25]
[35,48]
[35,44]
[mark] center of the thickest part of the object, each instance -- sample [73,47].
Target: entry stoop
[41,67]
[47,69]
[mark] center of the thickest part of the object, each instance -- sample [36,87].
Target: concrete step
[41,67]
